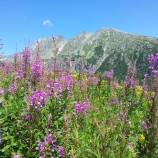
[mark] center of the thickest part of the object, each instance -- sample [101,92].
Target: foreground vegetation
[47,113]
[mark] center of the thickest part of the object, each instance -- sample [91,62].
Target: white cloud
[47,22]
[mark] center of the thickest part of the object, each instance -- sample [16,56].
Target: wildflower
[150,103]
[141,138]
[19,74]
[11,88]
[115,100]
[26,53]
[1,91]
[16,156]
[109,74]
[151,59]
[143,125]
[115,83]
[61,152]
[131,144]
[47,144]
[81,107]
[37,99]
[146,76]
[36,69]
[49,89]
[121,116]
[66,81]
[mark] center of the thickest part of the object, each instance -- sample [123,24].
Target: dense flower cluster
[81,107]
[36,69]
[19,74]
[49,89]
[109,74]
[26,53]
[61,152]
[129,80]
[57,88]
[11,88]
[49,145]
[115,100]
[37,99]
[153,61]
[66,80]
[92,79]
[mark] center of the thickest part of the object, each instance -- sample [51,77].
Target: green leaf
[6,148]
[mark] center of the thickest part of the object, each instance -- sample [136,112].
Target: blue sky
[28,20]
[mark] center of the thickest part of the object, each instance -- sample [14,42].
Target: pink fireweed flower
[26,53]
[11,88]
[115,100]
[66,80]
[16,156]
[49,89]
[47,144]
[1,91]
[143,125]
[61,152]
[19,74]
[37,99]
[36,69]
[57,88]
[151,59]
[81,107]
[121,116]
[146,76]
[109,74]
[115,83]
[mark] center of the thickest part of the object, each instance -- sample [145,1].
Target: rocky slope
[105,49]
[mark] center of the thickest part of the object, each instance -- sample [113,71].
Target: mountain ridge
[105,48]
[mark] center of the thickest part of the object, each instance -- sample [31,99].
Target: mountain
[105,49]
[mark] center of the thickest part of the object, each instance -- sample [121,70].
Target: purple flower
[146,76]
[11,88]
[115,100]
[67,81]
[36,69]
[151,59]
[16,156]
[19,74]
[46,145]
[121,116]
[143,125]
[156,58]
[61,152]
[1,91]
[131,144]
[115,83]
[109,74]
[81,107]
[26,53]
[154,71]
[37,99]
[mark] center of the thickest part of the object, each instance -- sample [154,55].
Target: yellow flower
[138,90]
[150,103]
[141,138]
